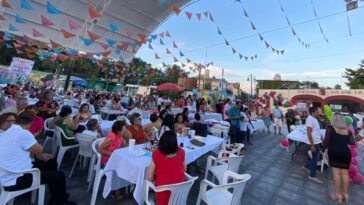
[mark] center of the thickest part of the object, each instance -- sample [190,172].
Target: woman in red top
[167,165]
[114,140]
[137,130]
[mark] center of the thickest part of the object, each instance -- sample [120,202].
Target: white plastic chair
[324,160]
[85,150]
[220,194]
[218,166]
[146,114]
[58,133]
[155,133]
[105,111]
[179,191]
[228,149]
[7,197]
[97,171]
[47,123]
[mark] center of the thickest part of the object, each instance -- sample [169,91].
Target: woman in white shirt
[167,124]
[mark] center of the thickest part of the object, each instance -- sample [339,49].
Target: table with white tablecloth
[207,116]
[107,124]
[258,125]
[123,165]
[299,135]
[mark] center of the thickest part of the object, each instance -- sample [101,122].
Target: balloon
[354,152]
[284,143]
[205,97]
[348,120]
[328,112]
[353,169]
[358,179]
[354,161]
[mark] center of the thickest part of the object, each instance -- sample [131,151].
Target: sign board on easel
[20,69]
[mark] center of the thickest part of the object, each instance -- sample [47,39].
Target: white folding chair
[58,133]
[218,166]
[48,136]
[105,111]
[179,191]
[97,171]
[228,149]
[220,194]
[85,150]
[7,197]
[324,160]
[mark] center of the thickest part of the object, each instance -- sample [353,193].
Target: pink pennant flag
[206,13]
[198,16]
[36,33]
[161,34]
[129,33]
[168,34]
[73,25]
[104,46]
[19,42]
[19,51]
[174,45]
[211,18]
[46,22]
[189,15]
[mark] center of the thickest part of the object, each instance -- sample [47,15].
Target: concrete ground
[276,179]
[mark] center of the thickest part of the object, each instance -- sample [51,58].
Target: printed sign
[20,69]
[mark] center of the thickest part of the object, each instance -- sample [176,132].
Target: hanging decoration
[24,4]
[306,45]
[93,36]
[2,18]
[12,28]
[92,12]
[46,22]
[67,34]
[36,33]
[52,9]
[72,24]
[87,42]
[5,4]
[176,10]
[318,22]
[19,19]
[114,27]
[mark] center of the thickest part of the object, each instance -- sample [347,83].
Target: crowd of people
[21,126]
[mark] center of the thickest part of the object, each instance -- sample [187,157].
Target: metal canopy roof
[132,16]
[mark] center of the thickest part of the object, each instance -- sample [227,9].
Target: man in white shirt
[17,145]
[227,107]
[314,137]
[277,119]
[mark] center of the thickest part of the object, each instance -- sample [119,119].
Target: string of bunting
[318,22]
[210,17]
[294,33]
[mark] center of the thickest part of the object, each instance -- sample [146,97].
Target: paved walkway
[276,180]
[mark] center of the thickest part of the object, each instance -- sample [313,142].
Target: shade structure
[169,87]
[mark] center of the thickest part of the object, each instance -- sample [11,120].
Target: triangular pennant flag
[117,51]
[289,23]
[261,37]
[266,44]
[253,26]
[211,18]
[168,51]
[293,32]
[161,2]
[246,13]
[277,51]
[240,56]
[92,12]
[168,34]
[162,34]
[18,51]
[5,38]
[104,46]
[9,35]
[73,51]
[156,56]
[255,56]
[252,57]
[73,25]
[176,10]
[114,27]
[206,13]
[93,36]
[12,28]
[174,45]
[20,42]
[55,44]
[142,37]
[219,32]
[183,65]
[188,60]
[234,50]
[19,19]
[67,34]
[198,16]
[129,33]
[175,59]
[24,4]
[274,50]
[227,42]
[36,33]
[161,42]
[164,65]
[181,54]
[16,45]
[150,46]
[52,9]
[282,52]
[2,18]
[46,22]
[189,15]
[111,42]
[87,42]
[246,58]
[5,4]
[106,53]
[8,46]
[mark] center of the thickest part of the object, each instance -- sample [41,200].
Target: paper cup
[131,144]
[192,133]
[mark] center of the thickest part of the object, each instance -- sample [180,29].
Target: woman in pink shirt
[37,125]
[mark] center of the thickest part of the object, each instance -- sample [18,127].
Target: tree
[337,87]
[310,84]
[355,77]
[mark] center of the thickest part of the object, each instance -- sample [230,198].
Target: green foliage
[355,77]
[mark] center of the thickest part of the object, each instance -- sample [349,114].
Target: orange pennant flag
[93,36]
[142,37]
[106,53]
[92,12]
[176,10]
[2,17]
[55,44]
[19,51]
[67,34]
[6,4]
[139,43]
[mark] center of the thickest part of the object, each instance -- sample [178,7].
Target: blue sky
[323,62]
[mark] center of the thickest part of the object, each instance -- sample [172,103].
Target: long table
[107,124]
[124,167]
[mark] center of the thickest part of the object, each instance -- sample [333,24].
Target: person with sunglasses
[137,130]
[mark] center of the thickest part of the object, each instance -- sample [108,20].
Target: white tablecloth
[300,134]
[123,165]
[175,111]
[258,125]
[106,125]
[207,116]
